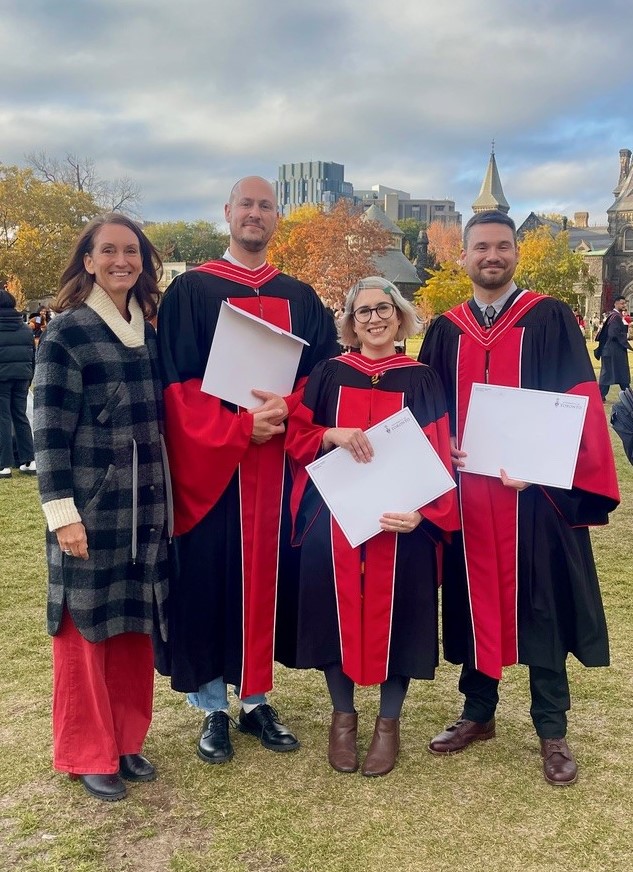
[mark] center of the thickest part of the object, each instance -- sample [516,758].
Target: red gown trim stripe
[261,477]
[254,278]
[374,367]
[363,599]
[490,539]
[464,318]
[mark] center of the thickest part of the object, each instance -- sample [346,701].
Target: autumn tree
[445,241]
[289,249]
[14,286]
[328,250]
[424,309]
[110,195]
[39,222]
[548,266]
[192,241]
[411,228]
[447,287]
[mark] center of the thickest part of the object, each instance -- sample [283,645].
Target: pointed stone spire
[491,194]
[625,166]
[620,213]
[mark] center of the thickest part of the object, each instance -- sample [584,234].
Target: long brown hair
[76,282]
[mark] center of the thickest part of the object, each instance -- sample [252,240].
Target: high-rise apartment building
[311,182]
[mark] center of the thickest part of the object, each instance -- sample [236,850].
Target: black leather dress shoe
[264,723]
[214,745]
[135,767]
[109,788]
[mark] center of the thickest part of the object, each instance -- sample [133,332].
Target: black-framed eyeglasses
[383,310]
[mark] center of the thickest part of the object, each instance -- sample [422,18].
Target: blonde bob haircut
[409,322]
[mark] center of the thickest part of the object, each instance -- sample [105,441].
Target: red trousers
[102,699]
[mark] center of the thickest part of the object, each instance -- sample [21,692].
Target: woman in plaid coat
[104,488]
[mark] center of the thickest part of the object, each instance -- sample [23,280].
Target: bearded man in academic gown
[520,584]
[233,601]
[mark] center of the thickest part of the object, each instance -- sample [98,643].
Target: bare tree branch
[116,195]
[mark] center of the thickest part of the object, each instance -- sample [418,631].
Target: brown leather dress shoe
[384,748]
[559,766]
[460,735]
[342,753]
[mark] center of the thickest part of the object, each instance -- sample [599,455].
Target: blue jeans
[213,696]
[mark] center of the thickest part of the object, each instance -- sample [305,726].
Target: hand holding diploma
[400,522]
[362,481]
[515,483]
[268,419]
[457,456]
[270,401]
[353,439]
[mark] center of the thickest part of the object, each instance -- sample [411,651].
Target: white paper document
[404,474]
[248,352]
[533,435]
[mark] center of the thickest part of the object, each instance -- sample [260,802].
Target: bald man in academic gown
[520,585]
[233,602]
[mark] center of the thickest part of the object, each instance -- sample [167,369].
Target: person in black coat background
[614,369]
[17,360]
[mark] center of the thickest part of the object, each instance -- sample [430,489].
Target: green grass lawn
[488,808]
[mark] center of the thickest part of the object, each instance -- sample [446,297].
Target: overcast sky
[186,96]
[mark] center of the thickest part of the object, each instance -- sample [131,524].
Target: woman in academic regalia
[368,615]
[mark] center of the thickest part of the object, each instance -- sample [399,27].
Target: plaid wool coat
[97,423]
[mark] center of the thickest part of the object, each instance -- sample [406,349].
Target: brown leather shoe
[460,735]
[559,766]
[342,754]
[384,748]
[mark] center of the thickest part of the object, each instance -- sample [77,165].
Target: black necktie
[490,313]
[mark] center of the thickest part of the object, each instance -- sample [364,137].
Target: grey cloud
[186,97]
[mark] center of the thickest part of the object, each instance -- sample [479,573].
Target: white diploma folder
[404,474]
[533,435]
[248,352]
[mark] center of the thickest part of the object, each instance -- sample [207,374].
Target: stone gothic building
[607,249]
[619,266]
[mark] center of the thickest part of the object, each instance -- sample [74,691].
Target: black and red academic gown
[232,521]
[373,608]
[523,588]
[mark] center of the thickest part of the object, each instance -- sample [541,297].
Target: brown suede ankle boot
[342,753]
[384,747]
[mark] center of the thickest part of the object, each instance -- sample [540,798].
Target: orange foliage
[328,250]
[14,286]
[445,241]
